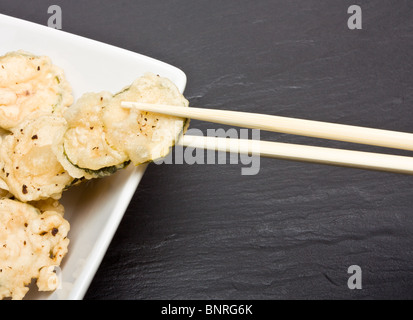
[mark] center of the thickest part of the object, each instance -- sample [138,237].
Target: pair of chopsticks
[317,129]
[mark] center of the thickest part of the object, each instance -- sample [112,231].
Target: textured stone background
[290,232]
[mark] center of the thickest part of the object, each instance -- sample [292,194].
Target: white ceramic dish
[96,208]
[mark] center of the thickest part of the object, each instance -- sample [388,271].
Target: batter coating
[30,83]
[32,244]
[145,136]
[104,136]
[28,165]
[85,141]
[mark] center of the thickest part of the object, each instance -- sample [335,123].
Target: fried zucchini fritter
[85,141]
[27,163]
[32,243]
[30,83]
[103,136]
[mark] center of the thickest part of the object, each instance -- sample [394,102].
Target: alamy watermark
[354,281]
[53,278]
[354,22]
[55,20]
[219,146]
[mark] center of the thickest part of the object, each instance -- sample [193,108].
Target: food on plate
[30,83]
[28,165]
[4,193]
[48,145]
[103,136]
[49,204]
[84,150]
[32,244]
[142,135]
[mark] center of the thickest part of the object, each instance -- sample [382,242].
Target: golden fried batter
[27,163]
[103,136]
[32,243]
[30,83]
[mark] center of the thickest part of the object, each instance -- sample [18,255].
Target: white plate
[96,208]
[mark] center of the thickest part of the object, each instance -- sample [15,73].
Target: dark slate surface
[292,230]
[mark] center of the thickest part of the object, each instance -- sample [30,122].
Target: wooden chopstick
[317,129]
[296,152]
[287,151]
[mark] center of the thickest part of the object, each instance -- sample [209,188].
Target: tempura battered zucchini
[84,150]
[32,244]
[104,137]
[27,163]
[30,83]
[145,136]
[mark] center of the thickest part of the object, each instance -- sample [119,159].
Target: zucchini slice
[27,163]
[32,243]
[103,136]
[30,83]
[84,150]
[145,136]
